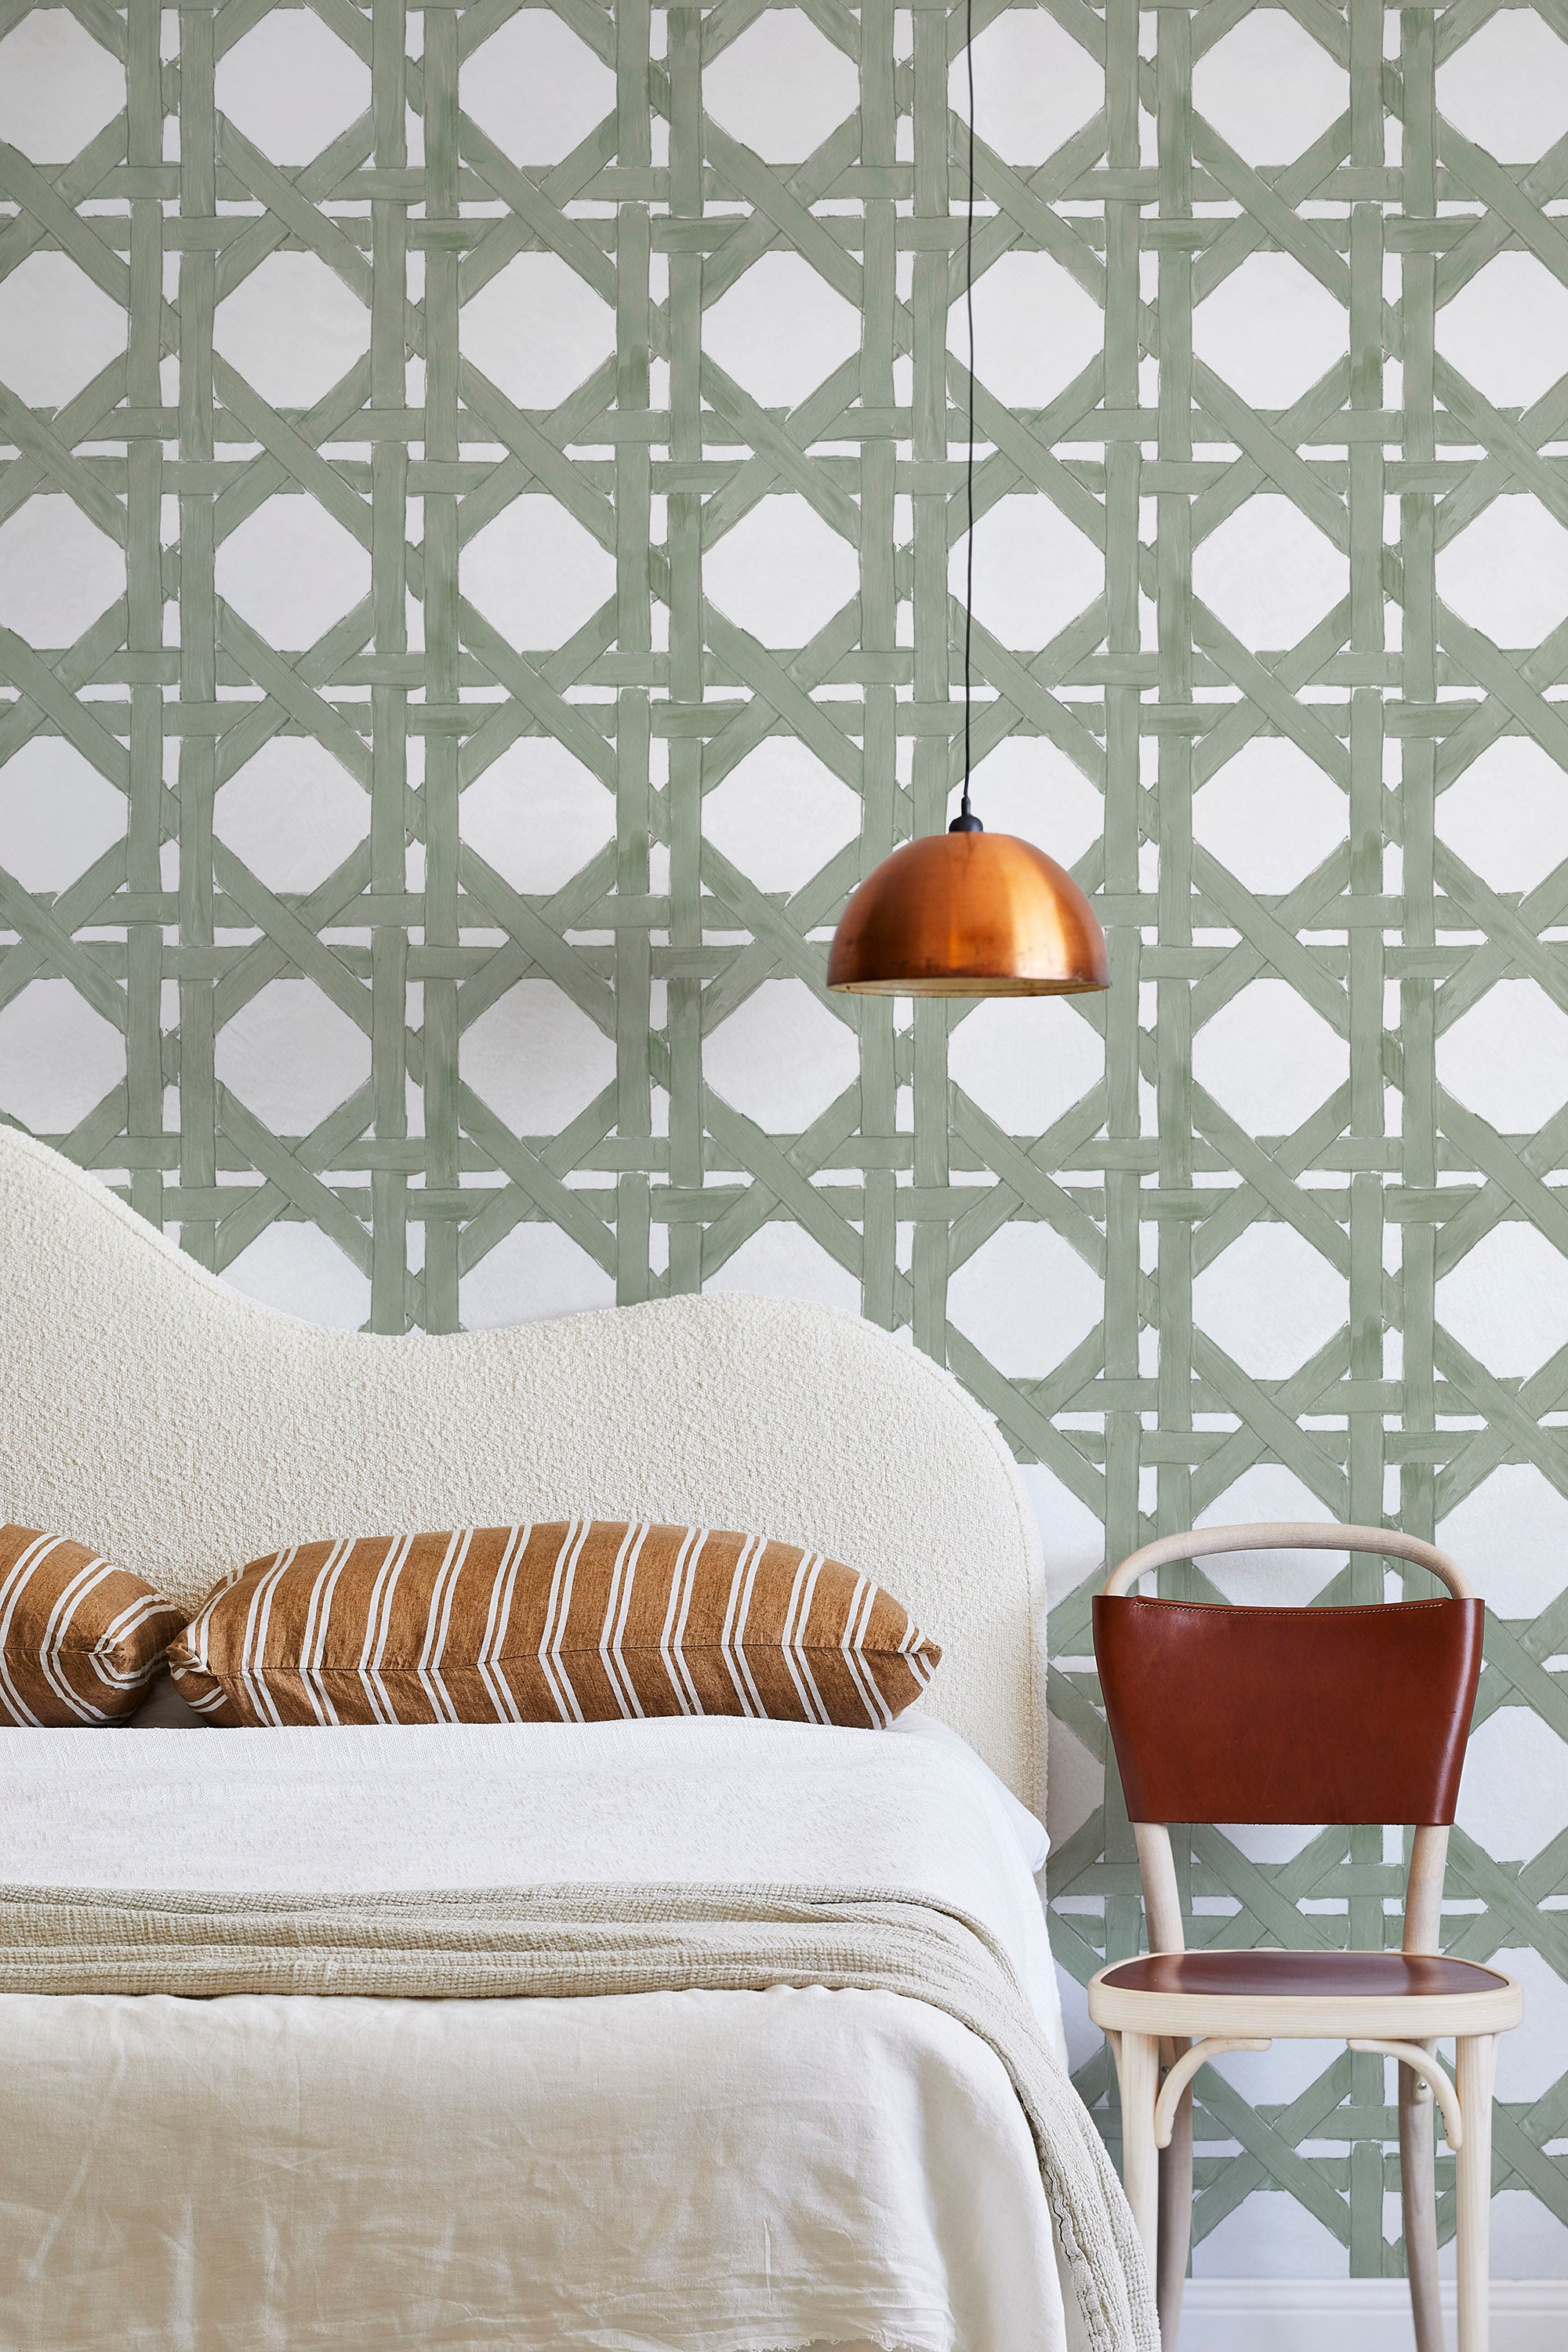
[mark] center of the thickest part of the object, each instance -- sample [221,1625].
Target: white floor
[1356,2315]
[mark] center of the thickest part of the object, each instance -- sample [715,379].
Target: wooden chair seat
[1414,1995]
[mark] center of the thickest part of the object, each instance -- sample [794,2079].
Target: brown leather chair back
[1287,1714]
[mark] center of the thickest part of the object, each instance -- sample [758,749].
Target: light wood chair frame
[1160,2042]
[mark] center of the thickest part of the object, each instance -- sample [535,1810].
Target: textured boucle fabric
[180,1428]
[571,1942]
[577,1621]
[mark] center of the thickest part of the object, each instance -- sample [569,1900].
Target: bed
[713,2169]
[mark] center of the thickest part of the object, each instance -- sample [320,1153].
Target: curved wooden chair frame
[1159,2042]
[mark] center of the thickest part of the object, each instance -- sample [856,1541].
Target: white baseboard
[1356,2315]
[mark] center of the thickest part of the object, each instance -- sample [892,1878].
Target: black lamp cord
[966,821]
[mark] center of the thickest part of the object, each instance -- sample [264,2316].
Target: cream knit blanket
[567,1941]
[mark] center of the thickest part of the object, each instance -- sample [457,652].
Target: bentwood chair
[1331,1715]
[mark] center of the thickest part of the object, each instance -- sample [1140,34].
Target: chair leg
[1138,2066]
[1418,2197]
[1176,2222]
[1476,2056]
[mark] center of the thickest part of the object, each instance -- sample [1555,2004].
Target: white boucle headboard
[152,1410]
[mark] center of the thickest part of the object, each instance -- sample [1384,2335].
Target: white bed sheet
[704,2171]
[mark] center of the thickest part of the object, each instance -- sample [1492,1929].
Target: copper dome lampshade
[968,913]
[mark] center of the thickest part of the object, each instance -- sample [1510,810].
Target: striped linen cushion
[79,1640]
[581,1620]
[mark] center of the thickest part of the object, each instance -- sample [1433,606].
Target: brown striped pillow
[582,1621]
[79,1640]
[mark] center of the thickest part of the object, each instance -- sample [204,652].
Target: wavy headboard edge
[181,1428]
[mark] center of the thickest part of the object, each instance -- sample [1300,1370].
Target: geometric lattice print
[479,492]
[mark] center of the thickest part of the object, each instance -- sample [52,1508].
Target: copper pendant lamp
[967,912]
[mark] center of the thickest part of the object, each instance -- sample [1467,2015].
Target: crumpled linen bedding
[705,2171]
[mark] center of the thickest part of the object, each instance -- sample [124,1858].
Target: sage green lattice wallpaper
[479,494]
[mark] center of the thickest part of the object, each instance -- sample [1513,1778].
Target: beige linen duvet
[716,2171]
